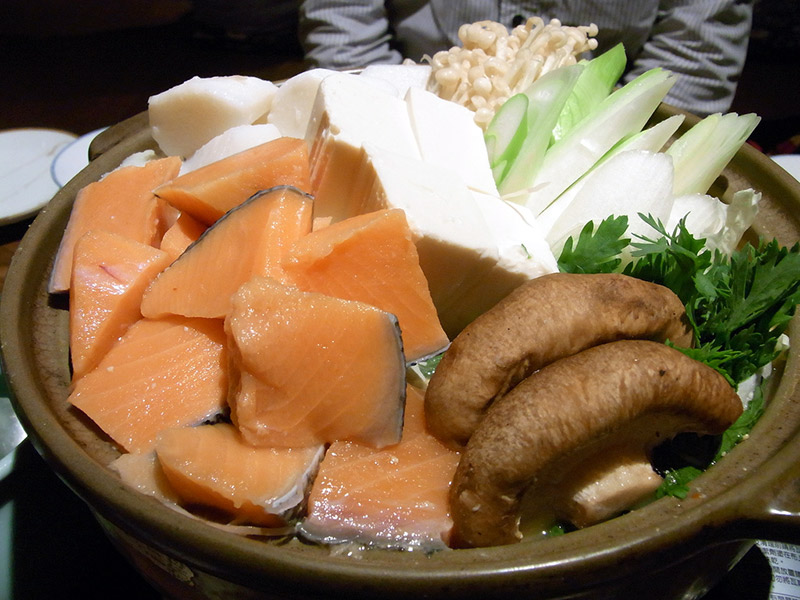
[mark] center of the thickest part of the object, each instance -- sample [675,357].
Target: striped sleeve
[704,42]
[346,34]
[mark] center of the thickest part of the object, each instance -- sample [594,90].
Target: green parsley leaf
[673,260]
[738,306]
[743,425]
[556,530]
[676,482]
[428,366]
[714,356]
[596,251]
[754,297]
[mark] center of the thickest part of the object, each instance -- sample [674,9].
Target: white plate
[790,163]
[73,158]
[25,181]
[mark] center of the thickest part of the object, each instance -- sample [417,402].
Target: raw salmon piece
[183,233]
[211,466]
[168,215]
[209,192]
[395,497]
[321,222]
[121,202]
[372,258]
[308,369]
[249,241]
[160,374]
[109,276]
[143,473]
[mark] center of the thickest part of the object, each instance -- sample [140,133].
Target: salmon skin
[181,234]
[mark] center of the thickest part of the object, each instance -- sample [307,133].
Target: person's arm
[346,34]
[705,43]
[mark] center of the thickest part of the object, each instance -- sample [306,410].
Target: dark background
[79,66]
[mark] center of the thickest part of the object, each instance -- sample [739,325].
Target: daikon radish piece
[188,115]
[229,142]
[294,101]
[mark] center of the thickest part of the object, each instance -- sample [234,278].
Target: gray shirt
[704,42]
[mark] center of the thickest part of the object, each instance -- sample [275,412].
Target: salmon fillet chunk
[394,497]
[308,369]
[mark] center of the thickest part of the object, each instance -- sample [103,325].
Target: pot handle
[112,136]
[771,511]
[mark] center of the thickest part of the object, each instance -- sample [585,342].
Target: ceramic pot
[669,549]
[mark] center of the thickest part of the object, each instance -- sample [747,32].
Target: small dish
[790,163]
[25,181]
[73,158]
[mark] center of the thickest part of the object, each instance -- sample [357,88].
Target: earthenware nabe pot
[669,549]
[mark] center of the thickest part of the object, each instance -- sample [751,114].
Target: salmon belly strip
[209,192]
[211,466]
[395,497]
[160,374]
[372,258]
[121,202]
[201,282]
[309,369]
[181,234]
[109,276]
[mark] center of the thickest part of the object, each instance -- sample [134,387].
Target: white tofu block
[448,137]
[348,113]
[457,252]
[234,140]
[294,100]
[188,115]
[521,245]
[400,77]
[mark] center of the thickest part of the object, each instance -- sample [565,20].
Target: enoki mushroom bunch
[493,65]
